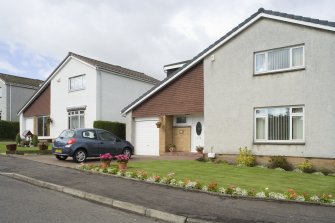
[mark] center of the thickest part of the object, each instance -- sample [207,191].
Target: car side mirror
[118,140]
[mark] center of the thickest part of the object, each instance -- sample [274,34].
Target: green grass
[244,177]
[26,150]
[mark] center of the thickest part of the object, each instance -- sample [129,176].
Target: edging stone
[126,206]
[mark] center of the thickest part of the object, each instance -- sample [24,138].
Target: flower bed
[231,190]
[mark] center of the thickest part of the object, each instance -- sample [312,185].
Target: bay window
[289,58]
[279,124]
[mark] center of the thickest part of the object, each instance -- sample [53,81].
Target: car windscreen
[67,134]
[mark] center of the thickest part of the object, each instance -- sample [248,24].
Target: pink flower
[122,158]
[106,156]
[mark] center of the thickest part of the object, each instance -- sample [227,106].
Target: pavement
[38,205]
[192,205]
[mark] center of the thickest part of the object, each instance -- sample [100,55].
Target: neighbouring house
[268,84]
[14,93]
[80,91]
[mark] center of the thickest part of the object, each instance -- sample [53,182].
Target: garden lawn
[244,177]
[21,149]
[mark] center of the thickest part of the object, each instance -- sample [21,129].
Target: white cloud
[9,68]
[141,35]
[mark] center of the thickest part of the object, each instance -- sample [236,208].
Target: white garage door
[146,136]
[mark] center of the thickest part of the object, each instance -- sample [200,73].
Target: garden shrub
[117,128]
[18,139]
[306,167]
[245,157]
[8,130]
[279,162]
[34,140]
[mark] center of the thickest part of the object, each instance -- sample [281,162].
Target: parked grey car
[83,143]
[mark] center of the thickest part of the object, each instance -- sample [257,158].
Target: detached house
[78,92]
[14,93]
[268,84]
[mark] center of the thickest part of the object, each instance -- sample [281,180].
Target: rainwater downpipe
[10,102]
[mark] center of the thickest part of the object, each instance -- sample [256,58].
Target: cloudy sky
[143,35]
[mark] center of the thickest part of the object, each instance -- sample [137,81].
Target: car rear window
[67,134]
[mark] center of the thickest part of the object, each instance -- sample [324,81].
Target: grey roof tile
[12,79]
[117,69]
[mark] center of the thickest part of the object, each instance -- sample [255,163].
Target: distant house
[14,93]
[268,84]
[80,91]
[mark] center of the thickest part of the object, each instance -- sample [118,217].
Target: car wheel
[127,151]
[79,156]
[60,157]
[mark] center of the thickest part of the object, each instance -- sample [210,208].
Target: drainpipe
[10,102]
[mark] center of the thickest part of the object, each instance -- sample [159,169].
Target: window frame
[44,122]
[83,87]
[291,67]
[291,140]
[79,114]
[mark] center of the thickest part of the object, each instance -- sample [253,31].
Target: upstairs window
[289,58]
[77,83]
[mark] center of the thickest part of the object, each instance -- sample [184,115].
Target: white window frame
[83,81]
[72,114]
[280,70]
[301,114]
[43,123]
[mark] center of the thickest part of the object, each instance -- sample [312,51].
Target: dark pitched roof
[117,69]
[260,10]
[11,79]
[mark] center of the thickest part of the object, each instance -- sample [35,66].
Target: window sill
[76,90]
[279,71]
[279,143]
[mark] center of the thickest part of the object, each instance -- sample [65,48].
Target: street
[22,202]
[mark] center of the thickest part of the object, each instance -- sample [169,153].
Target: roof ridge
[116,68]
[104,62]
[20,77]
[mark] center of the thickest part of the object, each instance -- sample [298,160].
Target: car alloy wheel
[80,156]
[127,152]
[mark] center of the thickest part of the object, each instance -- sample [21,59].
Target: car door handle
[101,143]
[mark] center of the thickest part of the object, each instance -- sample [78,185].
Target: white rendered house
[80,91]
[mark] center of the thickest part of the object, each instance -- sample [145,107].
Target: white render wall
[116,93]
[61,98]
[232,92]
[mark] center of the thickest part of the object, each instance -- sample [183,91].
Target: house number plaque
[198,128]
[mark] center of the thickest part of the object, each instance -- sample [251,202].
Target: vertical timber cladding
[185,95]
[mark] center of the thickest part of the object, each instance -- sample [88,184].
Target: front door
[182,138]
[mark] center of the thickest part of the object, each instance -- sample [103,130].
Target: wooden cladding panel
[41,105]
[185,95]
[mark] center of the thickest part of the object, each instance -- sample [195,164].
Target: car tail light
[71,141]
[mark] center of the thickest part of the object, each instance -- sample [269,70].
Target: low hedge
[8,130]
[117,128]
